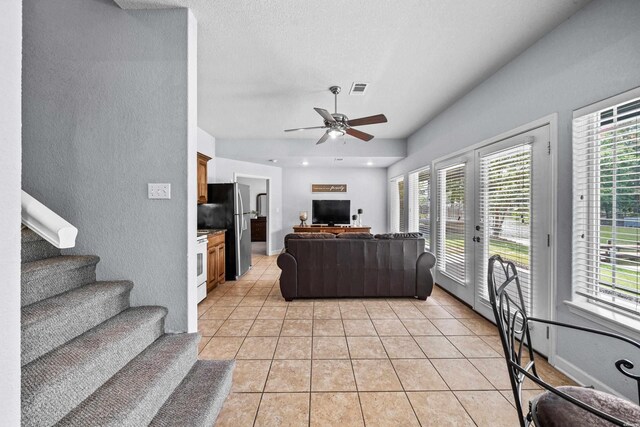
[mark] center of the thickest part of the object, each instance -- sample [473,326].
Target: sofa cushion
[354,236]
[393,236]
[306,236]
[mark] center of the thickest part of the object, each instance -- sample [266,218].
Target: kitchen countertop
[210,231]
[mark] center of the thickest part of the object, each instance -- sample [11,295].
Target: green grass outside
[518,253]
[624,235]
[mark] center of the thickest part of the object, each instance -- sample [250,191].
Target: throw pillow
[391,236]
[292,236]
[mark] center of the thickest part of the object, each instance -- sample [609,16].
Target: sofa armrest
[424,278]
[289,275]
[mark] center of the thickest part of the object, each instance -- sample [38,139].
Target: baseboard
[582,378]
[276,252]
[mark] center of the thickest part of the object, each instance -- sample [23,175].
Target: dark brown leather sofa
[317,265]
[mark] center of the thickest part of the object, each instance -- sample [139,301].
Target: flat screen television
[331,212]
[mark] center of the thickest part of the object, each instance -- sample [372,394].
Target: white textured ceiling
[263,64]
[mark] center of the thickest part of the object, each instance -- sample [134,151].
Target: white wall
[256,186]
[207,146]
[366,188]
[592,56]
[106,110]
[225,170]
[192,170]
[10,165]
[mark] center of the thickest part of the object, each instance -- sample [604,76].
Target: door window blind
[420,204]
[606,206]
[505,215]
[402,208]
[451,222]
[396,208]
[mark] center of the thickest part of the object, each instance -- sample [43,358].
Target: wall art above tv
[328,188]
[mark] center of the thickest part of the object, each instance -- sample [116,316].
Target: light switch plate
[159,191]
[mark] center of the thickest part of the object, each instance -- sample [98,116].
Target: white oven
[201,260]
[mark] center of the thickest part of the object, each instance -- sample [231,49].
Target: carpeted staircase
[89,359]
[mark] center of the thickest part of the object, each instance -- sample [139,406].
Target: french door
[495,200]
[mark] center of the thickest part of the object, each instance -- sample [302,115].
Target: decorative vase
[360,212]
[354,217]
[303,218]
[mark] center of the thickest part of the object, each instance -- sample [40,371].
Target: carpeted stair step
[136,393]
[197,401]
[60,380]
[52,322]
[52,276]
[35,247]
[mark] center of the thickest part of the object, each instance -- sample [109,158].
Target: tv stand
[328,229]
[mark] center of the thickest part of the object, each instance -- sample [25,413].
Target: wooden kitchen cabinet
[220,261]
[212,268]
[215,261]
[259,229]
[202,178]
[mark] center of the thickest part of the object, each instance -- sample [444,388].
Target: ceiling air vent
[358,88]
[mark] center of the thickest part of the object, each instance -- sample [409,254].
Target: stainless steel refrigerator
[228,208]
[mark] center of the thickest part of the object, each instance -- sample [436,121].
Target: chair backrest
[509,310]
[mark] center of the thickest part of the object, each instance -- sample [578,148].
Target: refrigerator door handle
[242,227]
[239,239]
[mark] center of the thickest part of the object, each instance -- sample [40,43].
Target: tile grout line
[353,372]
[406,396]
[273,296]
[264,386]
[313,318]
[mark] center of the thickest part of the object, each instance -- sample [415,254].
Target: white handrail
[47,224]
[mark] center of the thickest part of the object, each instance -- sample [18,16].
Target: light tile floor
[355,362]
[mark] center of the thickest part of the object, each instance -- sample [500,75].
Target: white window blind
[505,215]
[403,210]
[420,204]
[606,205]
[397,223]
[451,222]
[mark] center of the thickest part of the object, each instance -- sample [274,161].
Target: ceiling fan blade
[371,120]
[323,139]
[360,135]
[296,129]
[325,115]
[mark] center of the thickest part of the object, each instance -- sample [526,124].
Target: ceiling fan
[338,124]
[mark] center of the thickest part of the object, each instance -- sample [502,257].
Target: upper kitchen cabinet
[202,177]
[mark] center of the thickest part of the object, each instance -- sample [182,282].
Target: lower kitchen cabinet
[215,261]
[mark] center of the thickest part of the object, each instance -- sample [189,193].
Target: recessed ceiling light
[273,160]
[369,163]
[305,163]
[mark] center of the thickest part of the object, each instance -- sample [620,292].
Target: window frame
[394,194]
[606,315]
[441,224]
[413,205]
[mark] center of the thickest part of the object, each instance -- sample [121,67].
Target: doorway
[260,215]
[495,199]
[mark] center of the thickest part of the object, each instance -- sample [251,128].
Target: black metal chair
[557,406]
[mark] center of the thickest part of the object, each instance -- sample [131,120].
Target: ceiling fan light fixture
[334,133]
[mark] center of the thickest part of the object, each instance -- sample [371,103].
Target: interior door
[512,219]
